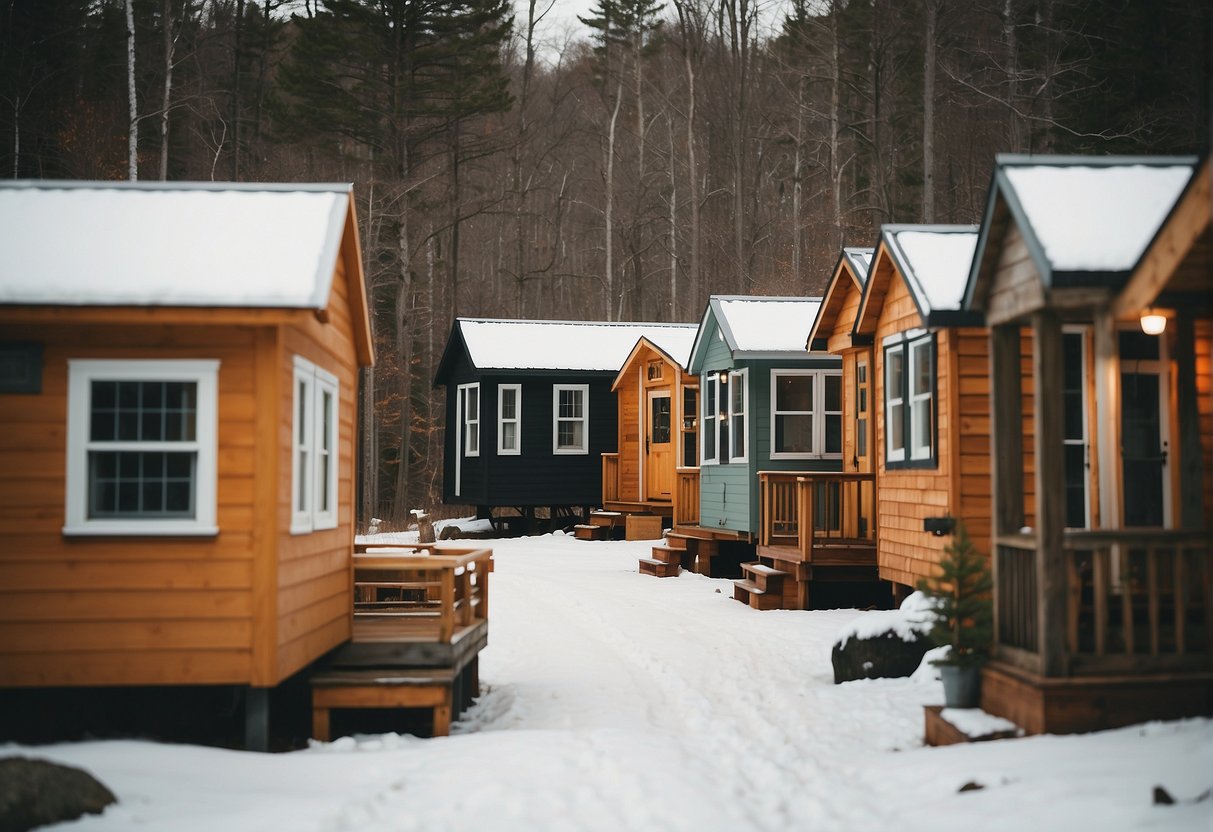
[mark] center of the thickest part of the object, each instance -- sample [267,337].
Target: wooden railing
[431,596]
[686,496]
[801,509]
[1136,600]
[610,477]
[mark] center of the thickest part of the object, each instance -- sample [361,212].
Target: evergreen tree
[964,616]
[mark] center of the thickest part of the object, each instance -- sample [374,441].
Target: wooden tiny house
[177,429]
[533,411]
[658,435]
[1103,598]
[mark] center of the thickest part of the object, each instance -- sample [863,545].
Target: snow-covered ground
[620,702]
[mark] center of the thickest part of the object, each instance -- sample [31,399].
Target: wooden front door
[658,447]
[1143,430]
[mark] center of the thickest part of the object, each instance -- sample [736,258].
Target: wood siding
[632,387]
[1204,399]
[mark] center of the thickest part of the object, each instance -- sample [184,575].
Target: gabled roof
[933,261]
[850,273]
[758,327]
[170,243]
[673,344]
[1085,220]
[544,346]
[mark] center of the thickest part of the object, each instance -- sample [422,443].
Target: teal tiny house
[766,404]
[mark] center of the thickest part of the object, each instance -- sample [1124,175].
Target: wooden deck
[420,620]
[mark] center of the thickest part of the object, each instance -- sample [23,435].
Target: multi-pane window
[806,413]
[861,410]
[690,426]
[509,418]
[141,447]
[738,393]
[314,448]
[571,418]
[711,453]
[1074,398]
[910,400]
[469,409]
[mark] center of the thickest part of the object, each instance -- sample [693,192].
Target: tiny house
[928,391]
[658,404]
[530,411]
[178,370]
[766,403]
[1103,593]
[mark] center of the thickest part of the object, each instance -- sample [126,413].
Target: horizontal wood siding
[1204,403]
[107,611]
[314,581]
[839,338]
[630,442]
[725,495]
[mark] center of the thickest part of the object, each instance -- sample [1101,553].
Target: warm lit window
[509,419]
[910,400]
[571,418]
[141,447]
[314,449]
[806,414]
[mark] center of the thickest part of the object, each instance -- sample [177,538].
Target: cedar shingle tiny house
[177,429]
[1103,598]
[929,394]
[532,410]
[658,435]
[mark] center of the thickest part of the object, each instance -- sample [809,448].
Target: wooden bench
[419,688]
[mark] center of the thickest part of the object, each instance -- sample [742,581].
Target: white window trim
[708,406]
[516,421]
[890,400]
[585,419]
[467,419]
[315,382]
[1085,440]
[916,348]
[81,374]
[818,413]
[744,376]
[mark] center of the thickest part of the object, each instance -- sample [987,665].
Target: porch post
[1006,446]
[1187,451]
[1051,573]
[1107,418]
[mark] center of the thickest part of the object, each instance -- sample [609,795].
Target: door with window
[1145,471]
[658,447]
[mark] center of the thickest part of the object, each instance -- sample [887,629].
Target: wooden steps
[766,587]
[750,593]
[584,531]
[658,568]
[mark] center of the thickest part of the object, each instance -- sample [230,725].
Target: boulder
[876,657]
[38,792]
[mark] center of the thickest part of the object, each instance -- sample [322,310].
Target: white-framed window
[570,418]
[806,414]
[314,457]
[910,399]
[739,389]
[141,447]
[709,450]
[469,408]
[509,419]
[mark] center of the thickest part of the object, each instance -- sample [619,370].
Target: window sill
[126,528]
[569,452]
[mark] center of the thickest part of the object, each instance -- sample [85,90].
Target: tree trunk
[132,146]
[403,344]
[166,20]
[614,292]
[1011,41]
[236,54]
[835,128]
[673,282]
[928,114]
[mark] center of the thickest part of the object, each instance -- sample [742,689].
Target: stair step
[607,518]
[748,592]
[763,569]
[667,554]
[657,568]
[590,532]
[676,541]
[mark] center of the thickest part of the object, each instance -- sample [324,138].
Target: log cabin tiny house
[658,402]
[177,429]
[1103,599]
[929,395]
[532,412]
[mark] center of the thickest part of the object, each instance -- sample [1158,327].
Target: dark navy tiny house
[529,413]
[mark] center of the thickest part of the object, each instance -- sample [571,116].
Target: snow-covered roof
[765,325]
[1095,218]
[170,244]
[495,344]
[676,342]
[860,261]
[934,260]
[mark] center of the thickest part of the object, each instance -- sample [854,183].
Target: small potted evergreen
[963,618]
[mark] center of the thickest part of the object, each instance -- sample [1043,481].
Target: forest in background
[683,148]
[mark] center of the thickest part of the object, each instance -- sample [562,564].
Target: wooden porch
[419,622]
[681,509]
[813,527]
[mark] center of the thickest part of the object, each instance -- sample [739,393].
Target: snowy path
[620,702]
